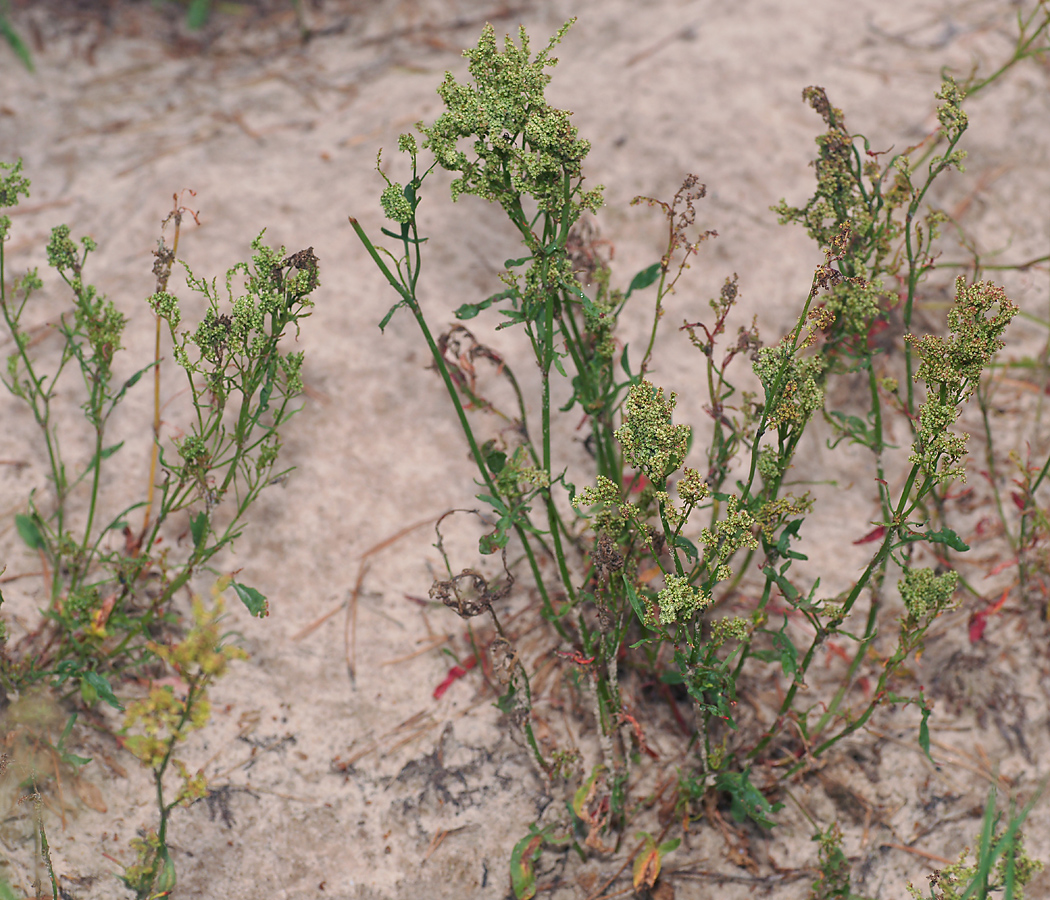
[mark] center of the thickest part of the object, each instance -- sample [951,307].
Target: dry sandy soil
[371,788]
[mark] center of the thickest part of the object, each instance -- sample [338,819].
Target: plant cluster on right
[632,565]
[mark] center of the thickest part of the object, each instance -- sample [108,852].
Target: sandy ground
[370,788]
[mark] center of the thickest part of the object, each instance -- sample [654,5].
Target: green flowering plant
[109,580]
[648,547]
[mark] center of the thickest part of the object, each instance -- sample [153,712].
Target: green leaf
[15,42]
[580,295]
[28,532]
[251,598]
[949,537]
[102,689]
[198,528]
[636,603]
[5,890]
[625,365]
[788,654]
[390,314]
[494,502]
[924,727]
[198,12]
[403,236]
[131,382]
[166,877]
[924,734]
[643,279]
[265,394]
[507,703]
[784,542]
[522,857]
[469,310]
[496,460]
[790,592]
[490,543]
[514,263]
[688,547]
[747,800]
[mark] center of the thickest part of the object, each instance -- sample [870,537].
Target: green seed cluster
[727,536]
[800,393]
[166,306]
[395,204]
[12,186]
[680,600]
[951,368]
[926,594]
[650,441]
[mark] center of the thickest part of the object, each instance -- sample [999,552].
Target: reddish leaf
[875,534]
[454,674]
[640,484]
[876,329]
[1005,564]
[979,620]
[646,865]
[522,873]
[576,657]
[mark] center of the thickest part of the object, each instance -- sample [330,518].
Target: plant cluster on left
[111,579]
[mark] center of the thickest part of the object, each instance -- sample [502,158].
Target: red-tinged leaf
[646,867]
[522,874]
[585,792]
[639,735]
[1019,500]
[576,657]
[875,534]
[979,620]
[101,615]
[1006,564]
[454,674]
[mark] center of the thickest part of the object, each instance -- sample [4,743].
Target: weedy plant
[1001,864]
[111,571]
[648,549]
[165,719]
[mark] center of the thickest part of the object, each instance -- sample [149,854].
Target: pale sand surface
[373,789]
